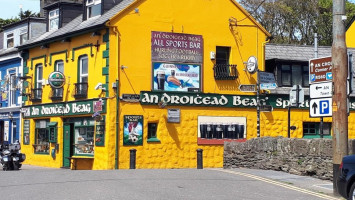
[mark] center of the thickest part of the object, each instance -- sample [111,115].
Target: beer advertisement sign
[176,77]
[133,130]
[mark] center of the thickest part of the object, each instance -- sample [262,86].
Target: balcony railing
[81,90]
[225,72]
[57,94]
[36,94]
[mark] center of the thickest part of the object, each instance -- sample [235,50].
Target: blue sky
[11,8]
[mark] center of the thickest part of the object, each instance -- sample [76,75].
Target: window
[84,137]
[39,76]
[93,8]
[23,36]
[152,132]
[41,144]
[12,92]
[222,55]
[37,91]
[10,40]
[293,74]
[312,130]
[59,66]
[83,69]
[53,18]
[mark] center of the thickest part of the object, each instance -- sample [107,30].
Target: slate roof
[78,26]
[297,52]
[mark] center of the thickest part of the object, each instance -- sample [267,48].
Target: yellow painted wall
[103,156]
[349,36]
[178,145]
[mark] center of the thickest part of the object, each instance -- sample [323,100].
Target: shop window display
[84,139]
[41,137]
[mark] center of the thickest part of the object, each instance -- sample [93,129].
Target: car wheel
[351,195]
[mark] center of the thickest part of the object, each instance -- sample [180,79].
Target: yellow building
[155,79]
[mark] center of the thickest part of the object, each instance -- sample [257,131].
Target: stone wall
[310,157]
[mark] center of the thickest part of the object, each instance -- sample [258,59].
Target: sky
[11,8]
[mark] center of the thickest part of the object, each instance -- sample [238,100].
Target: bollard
[199,159]
[132,158]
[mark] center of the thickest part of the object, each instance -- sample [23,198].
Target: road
[46,183]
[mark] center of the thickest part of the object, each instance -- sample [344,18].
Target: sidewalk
[305,182]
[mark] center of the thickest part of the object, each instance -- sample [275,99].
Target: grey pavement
[33,182]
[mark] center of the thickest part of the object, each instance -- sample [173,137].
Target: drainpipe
[114,28]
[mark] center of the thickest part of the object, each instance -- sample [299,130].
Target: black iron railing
[36,94]
[57,94]
[225,72]
[81,90]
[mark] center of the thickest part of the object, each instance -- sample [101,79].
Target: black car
[346,180]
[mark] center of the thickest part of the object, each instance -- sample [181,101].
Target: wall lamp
[96,33]
[45,46]
[123,67]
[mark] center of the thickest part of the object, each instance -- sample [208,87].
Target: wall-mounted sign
[130,97]
[247,88]
[266,77]
[176,47]
[56,79]
[174,115]
[320,70]
[62,109]
[133,130]
[98,106]
[26,132]
[176,77]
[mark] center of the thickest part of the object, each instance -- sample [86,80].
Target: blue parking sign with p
[324,107]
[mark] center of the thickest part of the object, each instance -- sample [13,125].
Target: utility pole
[340,73]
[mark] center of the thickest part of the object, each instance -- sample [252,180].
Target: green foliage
[296,21]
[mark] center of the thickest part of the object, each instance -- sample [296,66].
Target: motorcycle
[11,158]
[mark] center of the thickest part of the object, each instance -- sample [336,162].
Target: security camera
[98,86]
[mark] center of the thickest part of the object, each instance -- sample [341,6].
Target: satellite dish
[252,65]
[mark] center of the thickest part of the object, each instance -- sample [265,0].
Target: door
[66,144]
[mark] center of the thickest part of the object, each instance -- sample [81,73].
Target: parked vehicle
[11,158]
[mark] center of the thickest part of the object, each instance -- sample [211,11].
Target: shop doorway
[68,130]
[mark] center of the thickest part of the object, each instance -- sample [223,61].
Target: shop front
[64,134]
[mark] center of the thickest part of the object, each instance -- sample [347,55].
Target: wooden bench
[73,160]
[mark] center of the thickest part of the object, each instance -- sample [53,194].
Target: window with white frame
[23,36]
[59,66]
[53,18]
[93,8]
[12,88]
[10,40]
[39,76]
[83,69]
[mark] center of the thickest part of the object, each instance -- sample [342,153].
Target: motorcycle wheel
[15,165]
[4,168]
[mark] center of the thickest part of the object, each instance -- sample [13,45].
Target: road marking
[285,185]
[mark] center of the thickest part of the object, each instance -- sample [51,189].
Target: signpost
[321,90]
[296,98]
[320,70]
[266,77]
[321,107]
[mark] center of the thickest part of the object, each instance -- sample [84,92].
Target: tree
[27,13]
[296,21]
